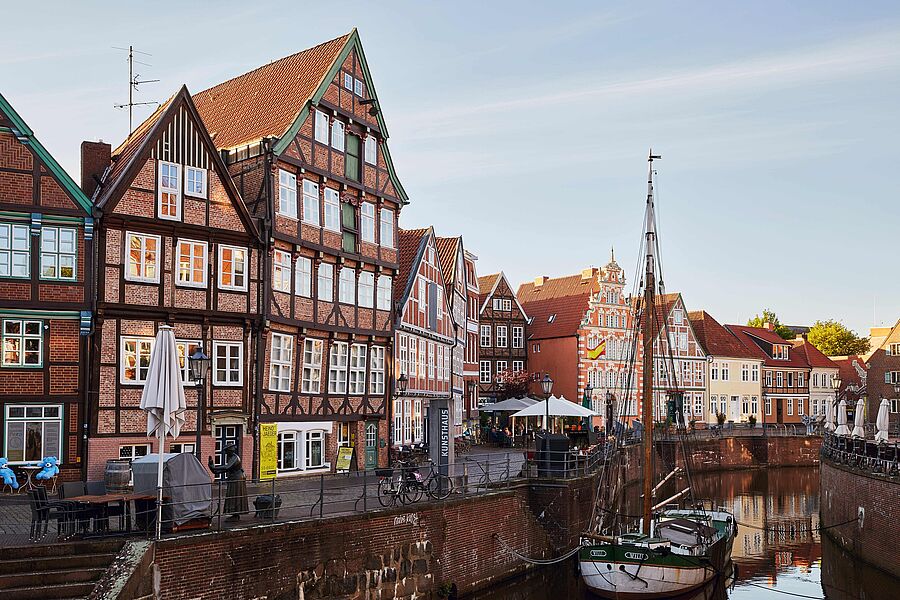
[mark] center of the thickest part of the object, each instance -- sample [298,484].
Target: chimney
[588,274]
[95,157]
[768,326]
[539,281]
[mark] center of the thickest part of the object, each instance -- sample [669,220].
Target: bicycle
[435,485]
[399,484]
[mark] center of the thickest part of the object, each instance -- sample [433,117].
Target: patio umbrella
[882,421]
[842,428]
[829,415]
[859,420]
[555,407]
[163,398]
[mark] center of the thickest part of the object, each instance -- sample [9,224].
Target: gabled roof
[410,247]
[749,336]
[26,136]
[448,250]
[274,100]
[557,307]
[717,340]
[813,355]
[486,286]
[129,157]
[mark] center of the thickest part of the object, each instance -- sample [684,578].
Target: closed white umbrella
[882,421]
[842,428]
[829,415]
[163,399]
[859,420]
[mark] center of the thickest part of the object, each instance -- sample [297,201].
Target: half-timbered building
[178,247]
[501,336]
[470,363]
[452,256]
[46,286]
[424,336]
[306,143]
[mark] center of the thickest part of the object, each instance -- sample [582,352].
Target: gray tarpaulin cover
[186,485]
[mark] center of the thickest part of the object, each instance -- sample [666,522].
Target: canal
[779,552]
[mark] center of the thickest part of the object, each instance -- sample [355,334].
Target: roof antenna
[134,80]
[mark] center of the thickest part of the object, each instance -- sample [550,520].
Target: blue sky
[525,128]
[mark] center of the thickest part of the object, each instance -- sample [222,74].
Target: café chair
[42,510]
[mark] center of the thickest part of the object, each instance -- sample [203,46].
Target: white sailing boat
[671,550]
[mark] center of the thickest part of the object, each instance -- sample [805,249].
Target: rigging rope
[536,561]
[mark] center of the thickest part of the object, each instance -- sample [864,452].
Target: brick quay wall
[870,502]
[423,550]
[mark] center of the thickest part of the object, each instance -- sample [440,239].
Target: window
[498,304]
[347,286]
[518,365]
[337,368]
[343,433]
[422,289]
[321,127]
[397,433]
[682,341]
[403,356]
[536,348]
[754,374]
[228,361]
[430,360]
[386,237]
[745,373]
[745,404]
[22,343]
[192,263]
[358,87]
[485,371]
[303,283]
[310,202]
[779,378]
[169,191]
[384,292]
[358,369]
[714,371]
[367,221]
[507,304]
[311,382]
[332,210]
[348,224]
[894,350]
[518,336]
[315,449]
[414,370]
[281,271]
[366,289]
[678,316]
[33,432]
[348,81]
[780,352]
[790,406]
[485,336]
[58,253]
[287,194]
[132,451]
[712,404]
[143,257]
[182,448]
[281,362]
[754,404]
[800,406]
[501,367]
[195,182]
[501,336]
[371,150]
[724,371]
[287,450]
[325,282]
[800,380]
[15,255]
[232,268]
[135,362]
[417,421]
[790,379]
[376,370]
[351,159]
[698,405]
[337,135]
[768,403]
[768,378]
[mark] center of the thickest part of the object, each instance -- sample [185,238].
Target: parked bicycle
[406,484]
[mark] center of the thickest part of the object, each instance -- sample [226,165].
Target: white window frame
[287,194]
[21,339]
[143,264]
[303,279]
[518,366]
[484,371]
[281,271]
[383,292]
[311,382]
[15,250]
[191,180]
[332,210]
[325,282]
[193,246]
[229,376]
[347,286]
[386,228]
[238,267]
[311,202]
[371,150]
[168,189]
[507,304]
[186,348]
[485,336]
[348,82]
[367,222]
[518,336]
[376,369]
[356,380]
[500,336]
[54,250]
[311,438]
[281,362]
[337,135]
[358,87]
[366,289]
[43,420]
[321,127]
[143,346]
[337,367]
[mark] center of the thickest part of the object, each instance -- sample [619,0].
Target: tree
[769,316]
[834,339]
[513,384]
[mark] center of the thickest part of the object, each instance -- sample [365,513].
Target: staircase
[61,571]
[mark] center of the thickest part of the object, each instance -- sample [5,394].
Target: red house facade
[46,289]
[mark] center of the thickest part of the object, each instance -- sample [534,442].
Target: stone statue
[236,484]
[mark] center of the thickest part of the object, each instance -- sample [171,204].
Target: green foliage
[769,316]
[832,338]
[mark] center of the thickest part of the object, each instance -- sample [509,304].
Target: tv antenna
[134,80]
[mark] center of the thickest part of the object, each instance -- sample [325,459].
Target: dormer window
[169,191]
[551,318]
[780,351]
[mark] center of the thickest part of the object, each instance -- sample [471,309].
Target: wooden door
[371,445]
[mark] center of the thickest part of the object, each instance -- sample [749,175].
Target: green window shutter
[351,158]
[348,224]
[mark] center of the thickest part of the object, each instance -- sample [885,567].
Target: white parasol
[842,428]
[555,407]
[163,399]
[859,420]
[882,421]
[829,415]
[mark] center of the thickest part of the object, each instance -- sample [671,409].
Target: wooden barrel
[117,476]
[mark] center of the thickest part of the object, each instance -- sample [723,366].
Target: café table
[29,471]
[107,499]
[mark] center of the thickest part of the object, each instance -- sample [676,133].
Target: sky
[525,128]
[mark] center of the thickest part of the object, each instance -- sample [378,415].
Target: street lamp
[547,387]
[399,390]
[198,362]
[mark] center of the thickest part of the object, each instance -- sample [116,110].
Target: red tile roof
[447,249]
[486,285]
[409,243]
[813,355]
[747,335]
[266,101]
[716,339]
[557,306]
[848,370]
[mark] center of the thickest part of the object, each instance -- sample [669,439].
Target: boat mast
[649,336]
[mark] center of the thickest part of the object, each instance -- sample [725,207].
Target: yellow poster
[345,455]
[268,450]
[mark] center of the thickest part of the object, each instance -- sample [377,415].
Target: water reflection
[779,551]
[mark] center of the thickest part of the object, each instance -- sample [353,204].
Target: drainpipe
[90,346]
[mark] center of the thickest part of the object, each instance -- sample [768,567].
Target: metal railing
[880,459]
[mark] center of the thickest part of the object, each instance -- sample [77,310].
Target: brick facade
[500,347]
